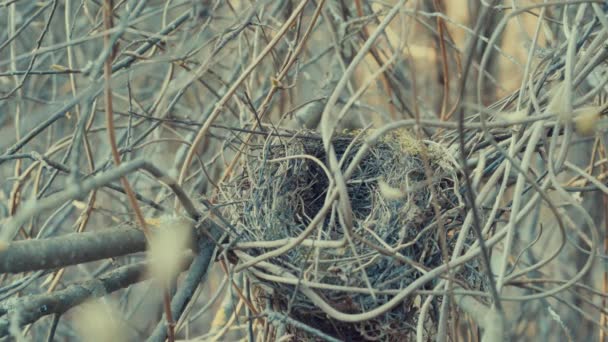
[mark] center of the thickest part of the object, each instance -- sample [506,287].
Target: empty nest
[280,191]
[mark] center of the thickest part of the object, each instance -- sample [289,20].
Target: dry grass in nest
[275,199]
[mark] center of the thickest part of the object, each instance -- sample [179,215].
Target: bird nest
[394,238]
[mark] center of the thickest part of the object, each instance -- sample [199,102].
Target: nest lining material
[277,200]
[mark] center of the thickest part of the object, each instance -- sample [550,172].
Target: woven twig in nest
[393,240]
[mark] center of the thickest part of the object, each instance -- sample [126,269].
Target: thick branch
[29,309]
[70,249]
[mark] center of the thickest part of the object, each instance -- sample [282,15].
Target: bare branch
[70,249]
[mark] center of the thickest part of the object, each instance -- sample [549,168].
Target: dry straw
[394,239]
